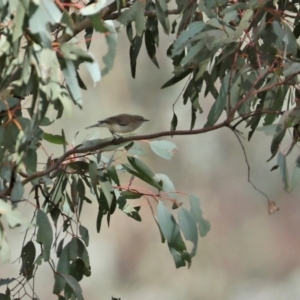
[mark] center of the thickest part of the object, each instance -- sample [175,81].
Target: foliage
[248,48]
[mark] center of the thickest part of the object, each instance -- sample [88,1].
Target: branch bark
[107,13]
[78,150]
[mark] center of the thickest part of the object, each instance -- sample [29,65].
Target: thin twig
[248,165]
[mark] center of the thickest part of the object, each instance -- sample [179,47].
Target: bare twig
[248,166]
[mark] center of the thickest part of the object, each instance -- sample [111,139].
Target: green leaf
[177,78]
[130,195]
[164,149]
[107,189]
[193,52]
[6,281]
[111,40]
[17,191]
[92,8]
[4,297]
[74,285]
[30,161]
[93,172]
[167,185]
[281,162]
[99,218]
[46,12]
[84,234]
[295,175]
[161,13]
[183,39]
[67,21]
[291,68]
[142,171]
[179,261]
[244,23]
[203,225]
[277,138]
[5,104]
[44,234]
[220,103]
[134,13]
[189,228]
[58,188]
[171,232]
[69,72]
[54,139]
[135,148]
[169,227]
[112,173]
[174,122]
[134,50]
[150,46]
[94,70]
[20,15]
[28,257]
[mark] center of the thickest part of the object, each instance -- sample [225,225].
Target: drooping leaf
[28,257]
[74,285]
[296,175]
[161,11]
[84,234]
[17,191]
[44,234]
[93,8]
[111,40]
[203,225]
[150,46]
[171,232]
[134,52]
[281,162]
[167,185]
[46,12]
[54,138]
[142,171]
[164,149]
[219,105]
[189,228]
[174,122]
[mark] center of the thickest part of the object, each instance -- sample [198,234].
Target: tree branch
[87,23]
[152,13]
[79,149]
[107,13]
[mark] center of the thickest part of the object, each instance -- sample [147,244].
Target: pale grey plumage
[123,123]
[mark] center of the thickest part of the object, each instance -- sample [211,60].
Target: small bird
[123,123]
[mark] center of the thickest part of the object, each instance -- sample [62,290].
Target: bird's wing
[123,122]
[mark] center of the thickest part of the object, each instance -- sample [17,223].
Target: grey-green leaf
[44,233]
[164,149]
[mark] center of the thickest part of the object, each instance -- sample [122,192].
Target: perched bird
[123,123]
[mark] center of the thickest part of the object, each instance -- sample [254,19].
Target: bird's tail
[99,124]
[96,125]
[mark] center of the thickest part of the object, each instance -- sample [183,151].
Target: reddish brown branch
[78,150]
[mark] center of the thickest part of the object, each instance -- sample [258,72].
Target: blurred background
[247,255]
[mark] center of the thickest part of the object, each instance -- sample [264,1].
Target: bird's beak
[145,120]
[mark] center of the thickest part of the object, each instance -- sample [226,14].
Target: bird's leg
[117,137]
